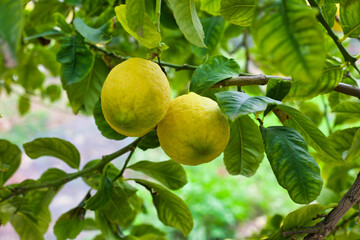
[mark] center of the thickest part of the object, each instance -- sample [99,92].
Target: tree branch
[344,52]
[262,79]
[105,160]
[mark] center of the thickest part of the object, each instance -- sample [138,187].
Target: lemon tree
[245,83]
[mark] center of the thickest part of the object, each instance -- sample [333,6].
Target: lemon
[135,97]
[194,130]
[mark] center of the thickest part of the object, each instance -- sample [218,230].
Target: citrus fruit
[194,130]
[135,97]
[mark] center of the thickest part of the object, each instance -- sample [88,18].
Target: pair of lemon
[135,98]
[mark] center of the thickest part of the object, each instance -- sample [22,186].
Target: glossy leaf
[245,150]
[211,6]
[294,168]
[52,174]
[47,34]
[328,10]
[304,216]
[238,12]
[84,94]
[276,89]
[150,37]
[124,204]
[347,107]
[143,229]
[213,28]
[70,224]
[135,15]
[354,151]
[331,76]
[288,34]
[103,126]
[349,17]
[172,210]
[103,194]
[149,141]
[54,147]
[95,35]
[169,173]
[212,71]
[76,59]
[188,21]
[10,158]
[11,18]
[236,104]
[26,227]
[293,118]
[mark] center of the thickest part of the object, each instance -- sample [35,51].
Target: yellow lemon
[135,97]
[194,130]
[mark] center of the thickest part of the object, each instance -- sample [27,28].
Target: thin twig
[125,165]
[344,52]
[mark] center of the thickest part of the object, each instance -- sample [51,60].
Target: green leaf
[54,147]
[236,104]
[11,18]
[169,173]
[349,17]
[294,168]
[61,23]
[238,12]
[287,33]
[277,88]
[312,111]
[293,118]
[103,194]
[331,76]
[84,94]
[107,228]
[341,140]
[53,92]
[347,107]
[188,21]
[124,205]
[214,28]
[29,75]
[70,224]
[52,174]
[245,150]
[210,6]
[303,216]
[143,229]
[76,59]
[172,210]
[26,227]
[47,34]
[95,35]
[150,39]
[23,105]
[135,15]
[328,10]
[103,126]
[150,140]
[354,151]
[10,158]
[214,70]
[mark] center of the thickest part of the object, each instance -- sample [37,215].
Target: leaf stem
[105,160]
[344,52]
[125,165]
[158,12]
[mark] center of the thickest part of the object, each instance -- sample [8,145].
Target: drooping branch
[344,52]
[105,160]
[262,79]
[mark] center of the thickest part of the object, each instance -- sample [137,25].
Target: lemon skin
[135,97]
[194,130]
